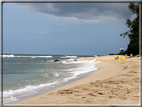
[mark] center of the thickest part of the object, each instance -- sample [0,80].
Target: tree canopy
[133,32]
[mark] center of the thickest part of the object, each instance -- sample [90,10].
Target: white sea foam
[8,56]
[67,61]
[79,62]
[36,56]
[10,99]
[11,56]
[69,57]
[56,74]
[84,67]
[13,95]
[51,74]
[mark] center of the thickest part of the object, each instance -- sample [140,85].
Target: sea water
[25,75]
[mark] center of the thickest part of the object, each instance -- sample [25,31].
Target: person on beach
[131,54]
[116,58]
[125,55]
[93,55]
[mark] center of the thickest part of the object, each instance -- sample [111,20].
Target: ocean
[26,75]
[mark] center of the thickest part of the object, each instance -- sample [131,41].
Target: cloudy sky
[64,28]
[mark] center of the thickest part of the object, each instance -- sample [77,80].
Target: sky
[65,28]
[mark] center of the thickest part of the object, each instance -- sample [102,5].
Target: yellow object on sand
[121,58]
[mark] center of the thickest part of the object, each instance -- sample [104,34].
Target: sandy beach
[115,82]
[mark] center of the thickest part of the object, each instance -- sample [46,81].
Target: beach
[115,82]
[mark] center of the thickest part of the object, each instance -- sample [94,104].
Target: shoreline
[54,87]
[109,76]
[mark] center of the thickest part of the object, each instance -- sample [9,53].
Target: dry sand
[115,82]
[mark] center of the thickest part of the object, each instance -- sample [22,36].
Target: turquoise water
[24,75]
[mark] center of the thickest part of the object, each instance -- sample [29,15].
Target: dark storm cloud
[85,11]
[88,10]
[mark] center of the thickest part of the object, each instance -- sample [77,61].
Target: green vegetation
[133,33]
[121,53]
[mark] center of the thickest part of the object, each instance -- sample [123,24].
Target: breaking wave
[12,56]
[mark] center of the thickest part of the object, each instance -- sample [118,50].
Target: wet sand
[115,82]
